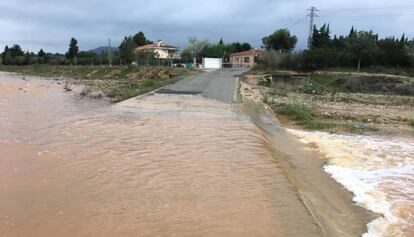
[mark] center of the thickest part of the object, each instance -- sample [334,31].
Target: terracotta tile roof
[251,52]
[157,46]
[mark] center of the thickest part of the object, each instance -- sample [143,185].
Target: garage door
[211,63]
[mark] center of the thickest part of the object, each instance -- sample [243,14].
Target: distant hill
[102,49]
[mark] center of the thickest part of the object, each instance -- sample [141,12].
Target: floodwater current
[378,170]
[170,166]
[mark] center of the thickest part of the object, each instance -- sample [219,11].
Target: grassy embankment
[340,102]
[118,83]
[302,113]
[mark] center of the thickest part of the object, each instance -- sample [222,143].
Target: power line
[369,8]
[299,21]
[289,27]
[371,15]
[313,13]
[109,53]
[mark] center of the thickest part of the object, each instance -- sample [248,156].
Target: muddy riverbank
[116,83]
[376,165]
[336,104]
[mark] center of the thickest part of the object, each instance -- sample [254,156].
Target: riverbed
[184,165]
[72,166]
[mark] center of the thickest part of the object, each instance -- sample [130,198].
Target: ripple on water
[129,171]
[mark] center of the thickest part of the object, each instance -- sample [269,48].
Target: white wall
[212,63]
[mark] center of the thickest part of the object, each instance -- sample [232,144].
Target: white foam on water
[379,171]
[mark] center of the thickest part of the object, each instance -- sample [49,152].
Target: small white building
[212,63]
[246,58]
[163,51]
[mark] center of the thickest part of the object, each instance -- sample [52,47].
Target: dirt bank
[357,103]
[376,169]
[117,83]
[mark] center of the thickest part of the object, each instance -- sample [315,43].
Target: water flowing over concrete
[160,165]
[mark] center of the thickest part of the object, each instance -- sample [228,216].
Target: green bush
[281,88]
[148,83]
[319,58]
[318,84]
[298,111]
[269,60]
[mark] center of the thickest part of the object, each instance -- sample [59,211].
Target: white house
[163,51]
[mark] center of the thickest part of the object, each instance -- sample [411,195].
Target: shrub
[298,111]
[281,88]
[269,59]
[148,83]
[319,58]
[317,84]
[291,60]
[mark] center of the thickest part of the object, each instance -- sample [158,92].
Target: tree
[281,40]
[246,46]
[27,58]
[240,47]
[140,39]
[6,56]
[269,59]
[13,55]
[73,50]
[127,50]
[362,45]
[352,32]
[186,55]
[16,51]
[394,52]
[195,47]
[214,51]
[147,57]
[41,53]
[321,38]
[237,47]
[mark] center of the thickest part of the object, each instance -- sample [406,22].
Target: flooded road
[378,170]
[165,165]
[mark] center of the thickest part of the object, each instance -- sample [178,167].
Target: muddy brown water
[78,167]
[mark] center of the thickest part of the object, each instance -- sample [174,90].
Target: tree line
[198,49]
[356,49]
[125,54]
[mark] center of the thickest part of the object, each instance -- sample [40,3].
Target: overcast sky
[49,24]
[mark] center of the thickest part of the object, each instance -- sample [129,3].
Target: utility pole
[109,53]
[312,14]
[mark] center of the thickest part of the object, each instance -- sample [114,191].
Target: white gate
[212,63]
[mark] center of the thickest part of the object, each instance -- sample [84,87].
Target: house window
[246,59]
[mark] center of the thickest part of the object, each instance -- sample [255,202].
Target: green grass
[126,89]
[95,72]
[380,69]
[298,111]
[318,84]
[130,90]
[411,122]
[242,78]
[302,113]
